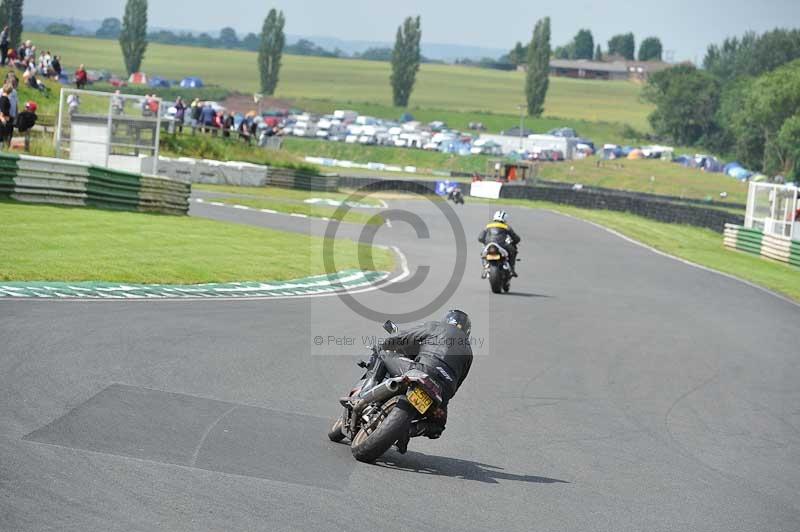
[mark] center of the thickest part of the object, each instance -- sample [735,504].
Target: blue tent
[159,83]
[683,160]
[739,173]
[406,117]
[191,83]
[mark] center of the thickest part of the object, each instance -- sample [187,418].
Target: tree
[405,60]
[517,54]
[752,54]
[764,125]
[376,54]
[583,45]
[686,102]
[269,54]
[622,44]
[11,16]
[650,49]
[109,29]
[228,38]
[133,37]
[564,52]
[788,144]
[251,42]
[536,80]
[598,53]
[57,28]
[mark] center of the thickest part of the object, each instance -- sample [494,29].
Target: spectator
[30,52]
[207,117]
[56,66]
[4,46]
[117,103]
[180,112]
[227,125]
[29,77]
[154,105]
[73,103]
[11,78]
[146,105]
[196,108]
[81,77]
[26,121]
[5,113]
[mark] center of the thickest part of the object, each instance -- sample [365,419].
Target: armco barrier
[662,211]
[393,185]
[61,182]
[758,243]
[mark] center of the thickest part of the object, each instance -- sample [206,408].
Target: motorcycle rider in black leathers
[499,232]
[442,350]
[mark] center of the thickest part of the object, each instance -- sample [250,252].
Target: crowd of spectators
[35,68]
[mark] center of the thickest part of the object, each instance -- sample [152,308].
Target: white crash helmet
[500,216]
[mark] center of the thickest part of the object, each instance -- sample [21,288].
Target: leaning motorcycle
[456,196]
[378,414]
[496,267]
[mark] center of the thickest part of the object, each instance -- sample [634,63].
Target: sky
[685,27]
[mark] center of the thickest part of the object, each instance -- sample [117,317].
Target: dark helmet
[459,319]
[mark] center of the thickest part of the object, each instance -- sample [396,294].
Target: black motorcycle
[456,196]
[496,267]
[378,414]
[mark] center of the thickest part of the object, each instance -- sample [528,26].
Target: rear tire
[368,447]
[336,434]
[495,278]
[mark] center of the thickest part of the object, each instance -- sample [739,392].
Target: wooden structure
[511,171]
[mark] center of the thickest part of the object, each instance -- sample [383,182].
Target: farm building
[612,70]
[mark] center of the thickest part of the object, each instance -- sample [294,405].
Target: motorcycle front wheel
[336,434]
[368,446]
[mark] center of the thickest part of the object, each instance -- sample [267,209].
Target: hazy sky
[685,26]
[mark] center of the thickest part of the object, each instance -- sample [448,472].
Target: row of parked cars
[352,128]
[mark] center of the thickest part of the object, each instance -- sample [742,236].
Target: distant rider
[442,350]
[499,232]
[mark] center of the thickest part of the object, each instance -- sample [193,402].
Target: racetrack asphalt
[614,389]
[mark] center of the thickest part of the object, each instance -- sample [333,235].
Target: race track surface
[614,389]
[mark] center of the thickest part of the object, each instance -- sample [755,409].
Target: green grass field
[651,176]
[701,246]
[96,245]
[343,82]
[312,211]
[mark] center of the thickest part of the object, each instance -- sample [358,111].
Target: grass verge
[94,245]
[701,246]
[312,211]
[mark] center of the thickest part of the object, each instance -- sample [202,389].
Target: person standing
[4,46]
[5,113]
[180,113]
[81,77]
[194,113]
[56,64]
[11,78]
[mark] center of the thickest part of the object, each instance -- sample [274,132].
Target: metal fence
[113,130]
[772,209]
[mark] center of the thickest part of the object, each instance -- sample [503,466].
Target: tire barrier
[238,173]
[60,182]
[752,241]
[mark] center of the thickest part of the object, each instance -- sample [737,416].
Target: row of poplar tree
[406,55]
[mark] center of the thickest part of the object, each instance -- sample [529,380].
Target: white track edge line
[679,259]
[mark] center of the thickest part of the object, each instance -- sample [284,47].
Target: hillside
[350,82]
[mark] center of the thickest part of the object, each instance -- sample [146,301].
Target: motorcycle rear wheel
[369,447]
[495,278]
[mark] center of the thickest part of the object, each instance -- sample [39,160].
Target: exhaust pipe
[380,393]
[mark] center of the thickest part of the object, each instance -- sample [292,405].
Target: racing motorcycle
[378,414]
[496,267]
[456,196]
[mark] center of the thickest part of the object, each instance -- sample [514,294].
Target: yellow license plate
[420,399]
[492,257]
